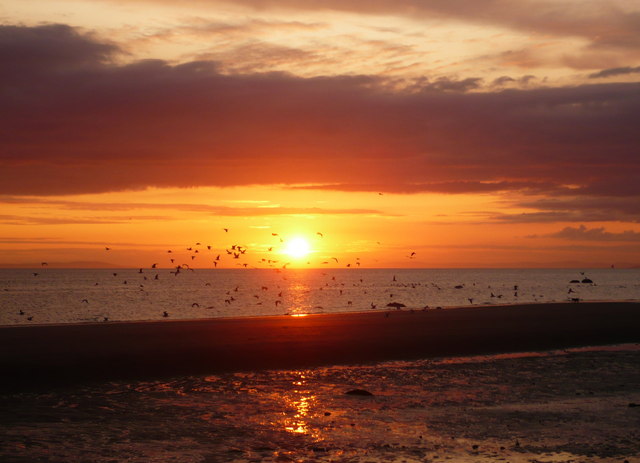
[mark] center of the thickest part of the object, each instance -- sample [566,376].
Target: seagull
[226,230]
[107,249]
[320,234]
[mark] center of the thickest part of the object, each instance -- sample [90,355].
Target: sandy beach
[43,355]
[485,385]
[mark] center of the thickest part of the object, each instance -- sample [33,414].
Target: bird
[226,230]
[165,314]
[44,264]
[320,234]
[107,248]
[86,301]
[154,265]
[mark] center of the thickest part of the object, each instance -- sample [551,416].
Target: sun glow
[297,248]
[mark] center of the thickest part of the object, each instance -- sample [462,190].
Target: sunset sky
[485,133]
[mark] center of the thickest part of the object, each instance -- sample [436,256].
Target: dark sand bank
[45,355]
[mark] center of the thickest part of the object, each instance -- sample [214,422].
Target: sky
[387,133]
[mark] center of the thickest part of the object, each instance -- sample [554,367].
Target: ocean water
[97,295]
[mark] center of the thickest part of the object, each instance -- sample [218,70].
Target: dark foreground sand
[45,355]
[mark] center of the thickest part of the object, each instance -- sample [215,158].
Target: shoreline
[40,355]
[383,310]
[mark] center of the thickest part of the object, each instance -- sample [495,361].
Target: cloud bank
[73,121]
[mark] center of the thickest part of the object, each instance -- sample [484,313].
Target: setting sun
[297,247]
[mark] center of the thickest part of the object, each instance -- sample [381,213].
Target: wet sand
[44,355]
[566,406]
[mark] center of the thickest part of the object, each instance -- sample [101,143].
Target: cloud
[582,233]
[45,220]
[576,209]
[76,122]
[459,187]
[182,207]
[599,21]
[615,72]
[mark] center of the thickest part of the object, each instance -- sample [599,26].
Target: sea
[570,405]
[50,295]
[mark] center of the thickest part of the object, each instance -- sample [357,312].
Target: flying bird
[320,234]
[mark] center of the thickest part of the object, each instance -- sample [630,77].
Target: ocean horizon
[51,295]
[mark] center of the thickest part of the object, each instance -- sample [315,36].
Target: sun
[297,248]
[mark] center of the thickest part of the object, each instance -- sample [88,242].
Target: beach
[34,356]
[507,383]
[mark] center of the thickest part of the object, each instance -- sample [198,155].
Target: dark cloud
[459,187]
[576,209]
[28,52]
[73,122]
[582,233]
[615,72]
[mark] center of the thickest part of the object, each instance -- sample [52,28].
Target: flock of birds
[238,252]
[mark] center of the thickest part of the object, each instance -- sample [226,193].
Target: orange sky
[473,134]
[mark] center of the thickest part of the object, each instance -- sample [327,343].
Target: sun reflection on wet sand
[300,404]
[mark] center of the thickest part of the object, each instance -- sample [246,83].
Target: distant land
[520,265]
[75,264]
